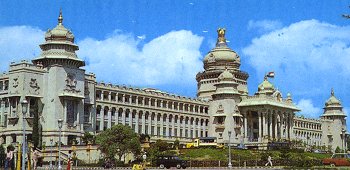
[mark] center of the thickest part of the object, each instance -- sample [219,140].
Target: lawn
[222,154]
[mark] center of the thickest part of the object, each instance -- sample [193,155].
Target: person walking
[269,161]
[8,160]
[35,157]
[69,163]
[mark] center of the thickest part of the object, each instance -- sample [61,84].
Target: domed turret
[59,33]
[266,87]
[333,106]
[333,101]
[59,48]
[226,86]
[221,56]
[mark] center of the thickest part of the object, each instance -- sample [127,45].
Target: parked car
[338,159]
[170,161]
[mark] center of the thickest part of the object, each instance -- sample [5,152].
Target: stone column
[276,125]
[270,126]
[109,118]
[183,127]
[101,97]
[64,112]
[194,128]
[2,113]
[173,126]
[264,124]
[260,127]
[123,98]
[178,127]
[109,96]
[116,97]
[102,118]
[123,116]
[156,125]
[130,118]
[143,119]
[245,127]
[283,127]
[161,125]
[199,128]
[167,126]
[291,124]
[137,121]
[149,123]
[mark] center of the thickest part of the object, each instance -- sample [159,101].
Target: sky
[161,44]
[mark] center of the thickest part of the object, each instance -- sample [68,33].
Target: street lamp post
[229,150]
[343,133]
[24,104]
[51,141]
[60,121]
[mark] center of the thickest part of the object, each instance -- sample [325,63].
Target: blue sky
[161,44]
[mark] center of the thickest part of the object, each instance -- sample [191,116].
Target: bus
[204,142]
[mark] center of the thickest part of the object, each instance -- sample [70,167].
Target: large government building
[57,87]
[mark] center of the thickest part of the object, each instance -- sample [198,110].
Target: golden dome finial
[221,37]
[60,18]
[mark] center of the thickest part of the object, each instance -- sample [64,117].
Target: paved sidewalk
[154,168]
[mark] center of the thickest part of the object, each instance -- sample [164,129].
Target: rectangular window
[70,112]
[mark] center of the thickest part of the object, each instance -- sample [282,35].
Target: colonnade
[152,122]
[176,103]
[308,137]
[267,124]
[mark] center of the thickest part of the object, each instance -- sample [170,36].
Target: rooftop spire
[60,18]
[332,92]
[221,42]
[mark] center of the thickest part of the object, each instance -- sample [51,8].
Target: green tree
[2,150]
[337,150]
[176,144]
[88,137]
[118,141]
[157,148]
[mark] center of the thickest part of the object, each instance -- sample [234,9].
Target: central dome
[221,56]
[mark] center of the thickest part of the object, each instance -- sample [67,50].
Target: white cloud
[173,58]
[308,109]
[264,25]
[309,57]
[18,43]
[141,37]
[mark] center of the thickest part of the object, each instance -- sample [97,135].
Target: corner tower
[333,123]
[224,114]
[215,62]
[63,82]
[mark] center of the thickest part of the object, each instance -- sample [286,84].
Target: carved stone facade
[58,88]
